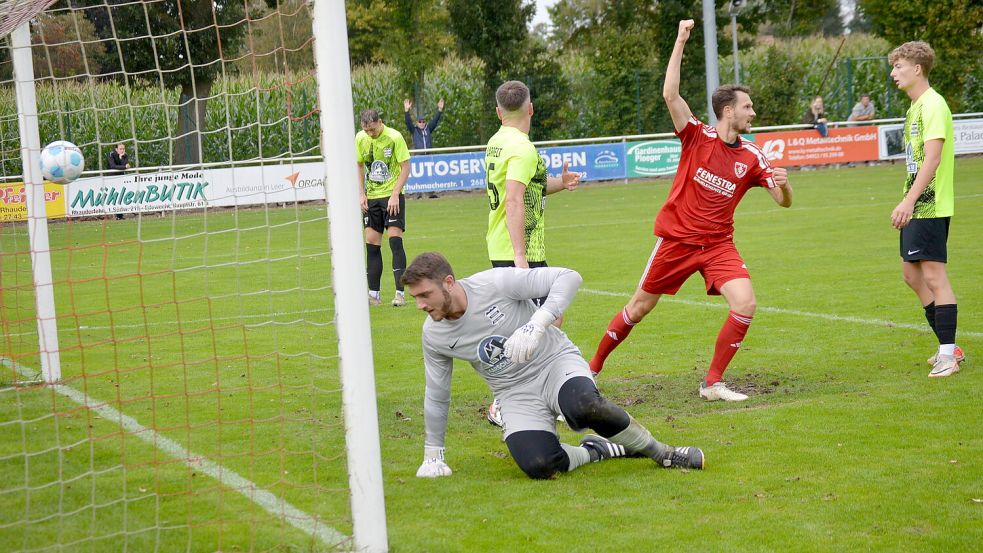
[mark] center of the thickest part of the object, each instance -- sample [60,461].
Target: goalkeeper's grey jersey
[498,304]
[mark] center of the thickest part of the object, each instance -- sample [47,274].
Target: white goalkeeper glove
[433,463]
[523,343]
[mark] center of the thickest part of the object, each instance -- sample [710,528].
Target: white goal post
[200,379]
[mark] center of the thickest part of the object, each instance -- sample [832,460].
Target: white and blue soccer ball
[62,162]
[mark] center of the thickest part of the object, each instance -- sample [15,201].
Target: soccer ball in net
[61,162]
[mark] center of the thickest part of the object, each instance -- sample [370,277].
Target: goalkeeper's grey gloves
[433,463]
[523,343]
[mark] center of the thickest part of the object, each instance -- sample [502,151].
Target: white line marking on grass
[269,502]
[739,213]
[766,309]
[210,320]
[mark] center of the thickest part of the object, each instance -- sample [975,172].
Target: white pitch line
[270,503]
[739,214]
[210,320]
[809,314]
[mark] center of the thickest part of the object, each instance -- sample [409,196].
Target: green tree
[370,24]
[66,45]
[495,31]
[616,39]
[176,43]
[794,18]
[280,37]
[550,92]
[952,27]
[419,30]
[411,34]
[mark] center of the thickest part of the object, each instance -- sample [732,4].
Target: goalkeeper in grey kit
[530,365]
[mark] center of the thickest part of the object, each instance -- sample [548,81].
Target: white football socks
[578,455]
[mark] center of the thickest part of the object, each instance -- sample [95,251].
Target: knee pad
[537,453]
[538,468]
[584,407]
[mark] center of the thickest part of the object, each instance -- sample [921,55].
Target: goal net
[183,362]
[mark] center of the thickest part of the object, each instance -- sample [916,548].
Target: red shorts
[674,262]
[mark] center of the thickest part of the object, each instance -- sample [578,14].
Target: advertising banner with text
[593,161]
[967,136]
[466,171]
[653,158]
[792,148]
[240,186]
[439,172]
[13,201]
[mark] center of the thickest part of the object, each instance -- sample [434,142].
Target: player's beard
[444,308]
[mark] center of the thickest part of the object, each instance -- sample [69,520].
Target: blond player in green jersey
[382,151]
[924,213]
[517,188]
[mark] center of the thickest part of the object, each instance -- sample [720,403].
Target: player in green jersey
[517,188]
[923,215]
[382,151]
[518,183]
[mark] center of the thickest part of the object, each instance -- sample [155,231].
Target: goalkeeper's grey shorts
[533,405]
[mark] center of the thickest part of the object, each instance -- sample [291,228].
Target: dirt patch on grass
[754,384]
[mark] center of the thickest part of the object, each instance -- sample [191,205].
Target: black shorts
[378,219]
[532,265]
[924,240]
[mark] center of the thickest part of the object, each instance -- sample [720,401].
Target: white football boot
[960,356]
[719,391]
[945,365]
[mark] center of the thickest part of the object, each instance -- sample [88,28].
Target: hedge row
[275,115]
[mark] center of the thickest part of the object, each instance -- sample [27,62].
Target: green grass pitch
[844,445]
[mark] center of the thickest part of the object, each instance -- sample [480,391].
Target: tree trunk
[191,119]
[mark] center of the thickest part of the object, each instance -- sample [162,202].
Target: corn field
[269,116]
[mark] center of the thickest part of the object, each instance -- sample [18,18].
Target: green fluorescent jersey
[382,157]
[929,118]
[511,156]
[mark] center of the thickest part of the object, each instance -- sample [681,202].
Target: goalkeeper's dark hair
[370,116]
[427,266]
[726,95]
[512,95]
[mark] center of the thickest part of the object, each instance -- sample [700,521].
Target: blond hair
[916,52]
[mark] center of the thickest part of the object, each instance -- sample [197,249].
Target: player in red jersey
[696,224]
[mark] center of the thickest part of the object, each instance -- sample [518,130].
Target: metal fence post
[849,82]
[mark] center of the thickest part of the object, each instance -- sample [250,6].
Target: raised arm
[436,116]
[407,104]
[678,108]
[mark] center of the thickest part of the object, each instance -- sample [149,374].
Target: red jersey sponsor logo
[712,182]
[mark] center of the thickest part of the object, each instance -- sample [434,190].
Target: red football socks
[728,342]
[618,329]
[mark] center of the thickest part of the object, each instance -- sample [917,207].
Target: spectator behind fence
[422,130]
[118,160]
[864,110]
[816,116]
